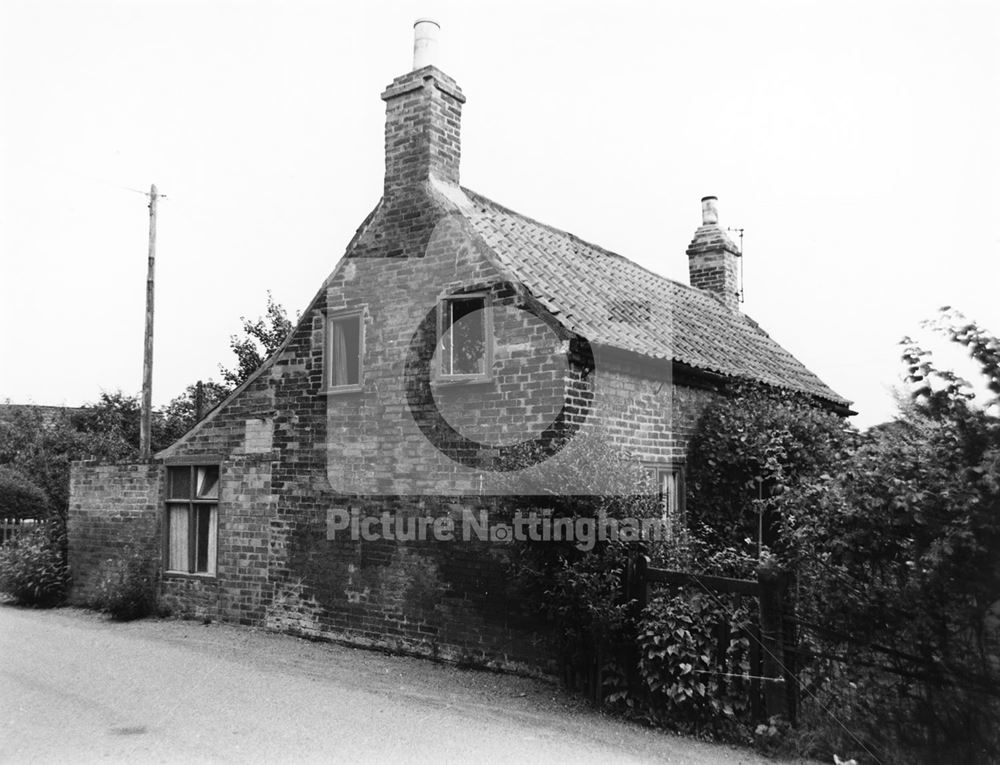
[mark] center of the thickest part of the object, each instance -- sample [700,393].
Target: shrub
[688,683]
[33,568]
[579,592]
[125,589]
[20,497]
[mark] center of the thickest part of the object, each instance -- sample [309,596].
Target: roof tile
[613,301]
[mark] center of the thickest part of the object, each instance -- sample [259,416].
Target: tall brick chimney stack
[423,118]
[712,263]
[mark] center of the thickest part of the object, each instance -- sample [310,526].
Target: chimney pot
[425,43]
[709,211]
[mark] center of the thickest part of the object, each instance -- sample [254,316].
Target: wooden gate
[772,677]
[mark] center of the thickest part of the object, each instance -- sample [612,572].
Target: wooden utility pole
[199,401]
[146,423]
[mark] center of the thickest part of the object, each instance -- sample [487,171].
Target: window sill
[459,382]
[189,575]
[341,390]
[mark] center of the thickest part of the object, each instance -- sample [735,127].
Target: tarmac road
[75,687]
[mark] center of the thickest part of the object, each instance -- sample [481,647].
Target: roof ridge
[476,196]
[712,336]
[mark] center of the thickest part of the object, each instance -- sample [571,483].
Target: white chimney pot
[709,211]
[425,43]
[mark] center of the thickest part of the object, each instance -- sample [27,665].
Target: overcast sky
[856,144]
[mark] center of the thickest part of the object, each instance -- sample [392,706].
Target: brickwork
[422,128]
[646,414]
[290,450]
[110,505]
[713,264]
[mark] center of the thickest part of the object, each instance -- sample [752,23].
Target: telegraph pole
[145,424]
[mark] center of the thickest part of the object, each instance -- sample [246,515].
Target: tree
[108,429]
[892,540]
[182,413]
[261,338]
[42,452]
[111,426]
[897,554]
[20,497]
[756,455]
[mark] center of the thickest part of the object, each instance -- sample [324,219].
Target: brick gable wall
[291,451]
[288,453]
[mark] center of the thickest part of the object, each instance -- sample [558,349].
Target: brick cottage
[457,350]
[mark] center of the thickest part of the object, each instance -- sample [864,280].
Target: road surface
[75,687]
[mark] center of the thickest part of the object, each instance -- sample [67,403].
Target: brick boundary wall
[110,506]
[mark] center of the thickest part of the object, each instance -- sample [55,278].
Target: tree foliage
[678,639]
[33,565]
[182,413]
[904,558]
[578,593]
[756,451]
[892,538]
[20,497]
[261,337]
[41,449]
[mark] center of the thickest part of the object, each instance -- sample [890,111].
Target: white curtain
[178,553]
[339,355]
[213,538]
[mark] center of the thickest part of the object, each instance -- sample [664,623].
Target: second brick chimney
[423,118]
[712,257]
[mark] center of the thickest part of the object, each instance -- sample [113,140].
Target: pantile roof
[613,301]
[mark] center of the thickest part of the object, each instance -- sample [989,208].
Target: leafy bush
[755,452]
[892,541]
[582,599]
[580,592]
[689,684]
[20,497]
[126,589]
[33,567]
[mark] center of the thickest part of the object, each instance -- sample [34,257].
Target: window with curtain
[669,486]
[344,349]
[192,518]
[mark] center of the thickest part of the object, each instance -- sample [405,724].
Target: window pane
[204,534]
[208,482]
[345,351]
[464,337]
[177,522]
[179,482]
[668,494]
[213,533]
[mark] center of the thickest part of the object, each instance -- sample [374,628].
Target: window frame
[488,342]
[191,505]
[675,516]
[329,319]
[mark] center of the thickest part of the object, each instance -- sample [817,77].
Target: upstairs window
[344,351]
[192,518]
[464,338]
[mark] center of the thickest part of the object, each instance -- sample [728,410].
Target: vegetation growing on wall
[891,542]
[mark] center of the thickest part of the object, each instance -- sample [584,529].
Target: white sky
[856,143]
